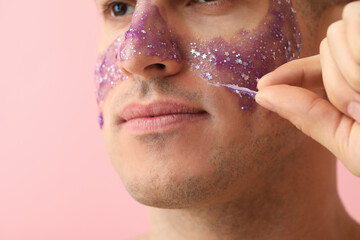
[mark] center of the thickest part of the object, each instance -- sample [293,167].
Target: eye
[118,9]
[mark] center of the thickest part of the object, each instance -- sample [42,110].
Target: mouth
[159,116]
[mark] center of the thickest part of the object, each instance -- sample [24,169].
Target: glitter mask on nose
[149,36]
[236,64]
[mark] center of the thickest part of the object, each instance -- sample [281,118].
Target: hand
[334,123]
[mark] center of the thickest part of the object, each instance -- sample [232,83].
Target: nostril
[158,66]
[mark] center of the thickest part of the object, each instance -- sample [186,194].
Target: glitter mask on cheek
[236,64]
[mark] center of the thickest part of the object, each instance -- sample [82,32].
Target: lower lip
[161,123]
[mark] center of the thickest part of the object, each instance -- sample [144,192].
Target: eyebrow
[99,5]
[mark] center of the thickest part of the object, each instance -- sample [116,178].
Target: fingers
[339,93]
[351,16]
[337,69]
[305,72]
[317,118]
[308,112]
[340,52]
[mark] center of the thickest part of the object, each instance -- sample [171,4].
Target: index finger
[305,72]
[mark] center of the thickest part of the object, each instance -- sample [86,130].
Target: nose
[150,66]
[149,48]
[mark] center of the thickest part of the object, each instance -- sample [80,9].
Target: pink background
[56,181]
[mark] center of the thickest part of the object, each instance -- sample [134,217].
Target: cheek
[236,64]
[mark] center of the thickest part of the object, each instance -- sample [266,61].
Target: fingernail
[258,80]
[261,81]
[354,110]
[266,104]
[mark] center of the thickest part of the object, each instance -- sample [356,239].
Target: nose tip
[149,48]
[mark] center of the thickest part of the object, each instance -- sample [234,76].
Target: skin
[239,175]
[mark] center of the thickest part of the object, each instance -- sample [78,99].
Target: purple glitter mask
[236,64]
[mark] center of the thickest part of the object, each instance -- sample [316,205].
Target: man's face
[213,150]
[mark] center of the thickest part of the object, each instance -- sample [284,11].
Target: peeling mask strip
[236,64]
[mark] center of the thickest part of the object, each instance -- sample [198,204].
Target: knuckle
[333,29]
[351,10]
[353,75]
[316,105]
[351,16]
[322,43]
[355,50]
[347,11]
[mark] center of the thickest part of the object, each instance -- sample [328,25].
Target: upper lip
[157,108]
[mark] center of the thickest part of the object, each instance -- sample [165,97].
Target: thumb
[286,92]
[311,114]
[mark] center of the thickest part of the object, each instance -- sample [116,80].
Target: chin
[175,183]
[169,194]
